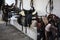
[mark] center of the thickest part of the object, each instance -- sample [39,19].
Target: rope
[20,4]
[31,3]
[50,3]
[16,3]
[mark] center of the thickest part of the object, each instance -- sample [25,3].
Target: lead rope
[31,3]
[51,6]
[50,3]
[16,3]
[20,4]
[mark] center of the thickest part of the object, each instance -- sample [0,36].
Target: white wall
[9,2]
[40,6]
[18,3]
[57,7]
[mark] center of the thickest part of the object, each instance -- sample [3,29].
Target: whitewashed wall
[57,7]
[40,6]
[9,2]
[18,3]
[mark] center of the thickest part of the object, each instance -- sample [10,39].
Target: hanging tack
[16,3]
[31,3]
[50,3]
